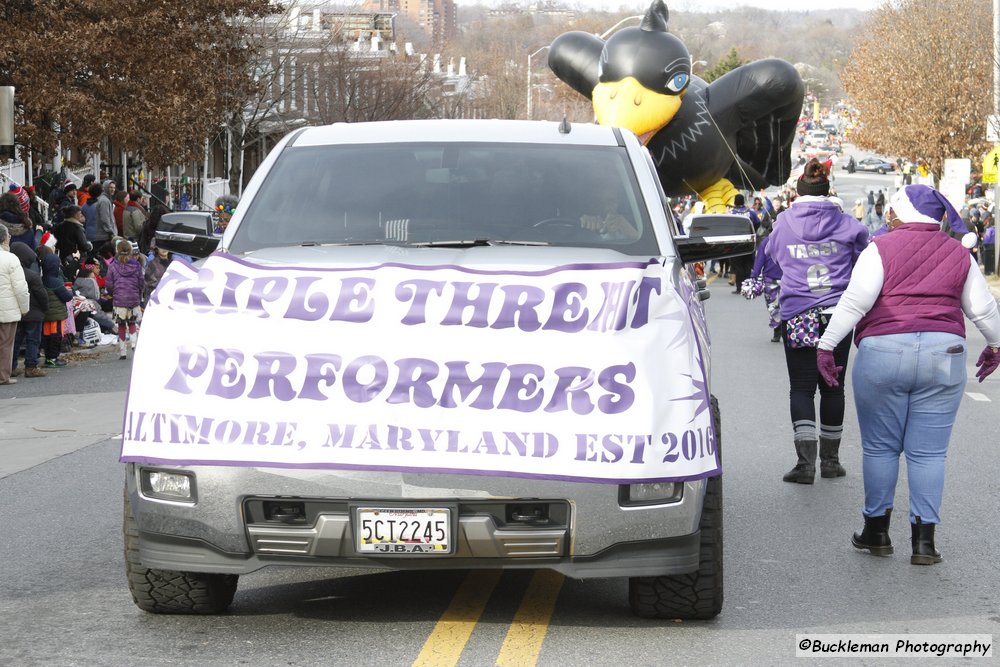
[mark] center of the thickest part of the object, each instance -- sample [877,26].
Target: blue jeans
[30,334]
[907,389]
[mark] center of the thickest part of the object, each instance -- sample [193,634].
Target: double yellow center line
[527,631]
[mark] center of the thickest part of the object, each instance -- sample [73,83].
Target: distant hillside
[821,40]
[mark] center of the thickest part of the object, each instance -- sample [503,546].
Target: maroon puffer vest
[925,271]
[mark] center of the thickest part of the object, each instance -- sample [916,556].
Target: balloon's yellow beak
[628,104]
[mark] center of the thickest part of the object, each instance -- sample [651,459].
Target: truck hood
[487,257]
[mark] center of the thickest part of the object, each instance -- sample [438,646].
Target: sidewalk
[31,432]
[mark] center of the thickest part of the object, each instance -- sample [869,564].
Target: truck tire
[697,595]
[168,592]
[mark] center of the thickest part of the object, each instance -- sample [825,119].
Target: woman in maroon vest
[906,300]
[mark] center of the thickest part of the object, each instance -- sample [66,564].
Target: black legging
[803,380]
[742,266]
[52,345]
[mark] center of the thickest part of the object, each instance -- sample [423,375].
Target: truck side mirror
[716,236]
[187,233]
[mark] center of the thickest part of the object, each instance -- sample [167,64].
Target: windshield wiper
[457,243]
[313,244]
[475,243]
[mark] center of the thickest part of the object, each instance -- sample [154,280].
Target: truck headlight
[654,493]
[167,485]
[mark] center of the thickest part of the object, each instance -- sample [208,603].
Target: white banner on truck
[579,372]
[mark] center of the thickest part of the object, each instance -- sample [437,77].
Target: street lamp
[615,26]
[544,48]
[530,56]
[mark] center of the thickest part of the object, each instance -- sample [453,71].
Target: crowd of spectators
[75,273]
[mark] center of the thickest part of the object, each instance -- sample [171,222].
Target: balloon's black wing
[757,108]
[575,58]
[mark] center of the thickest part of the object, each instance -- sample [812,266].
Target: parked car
[817,137]
[494,202]
[873,164]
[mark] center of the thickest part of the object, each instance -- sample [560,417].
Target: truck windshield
[429,193]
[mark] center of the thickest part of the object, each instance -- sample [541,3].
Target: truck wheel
[697,595]
[168,592]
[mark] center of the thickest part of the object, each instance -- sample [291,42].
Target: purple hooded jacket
[125,283]
[762,264]
[815,245]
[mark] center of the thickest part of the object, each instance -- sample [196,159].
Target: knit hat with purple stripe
[921,203]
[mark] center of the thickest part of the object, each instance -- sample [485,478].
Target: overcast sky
[689,5]
[639,6]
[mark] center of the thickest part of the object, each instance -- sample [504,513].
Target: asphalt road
[850,187]
[789,565]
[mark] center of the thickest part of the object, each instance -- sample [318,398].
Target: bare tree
[918,77]
[260,98]
[354,85]
[79,79]
[499,50]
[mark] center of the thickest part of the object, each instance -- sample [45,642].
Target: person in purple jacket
[989,247]
[815,244]
[907,302]
[125,282]
[768,270]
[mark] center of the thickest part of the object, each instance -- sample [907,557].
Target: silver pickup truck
[530,209]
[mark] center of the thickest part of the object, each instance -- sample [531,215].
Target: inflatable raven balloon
[705,138]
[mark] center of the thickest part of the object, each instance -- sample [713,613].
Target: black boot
[804,471]
[776,335]
[875,535]
[922,538]
[829,458]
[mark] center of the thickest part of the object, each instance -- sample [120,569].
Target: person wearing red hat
[22,196]
[15,219]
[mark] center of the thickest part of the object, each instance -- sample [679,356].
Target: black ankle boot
[804,471]
[875,535]
[829,458]
[922,538]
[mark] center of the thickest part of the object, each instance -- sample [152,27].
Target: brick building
[437,18]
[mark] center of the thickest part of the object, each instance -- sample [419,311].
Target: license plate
[400,530]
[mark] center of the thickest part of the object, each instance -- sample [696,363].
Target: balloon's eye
[678,82]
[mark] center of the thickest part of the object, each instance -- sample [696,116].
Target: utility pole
[530,56]
[996,112]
